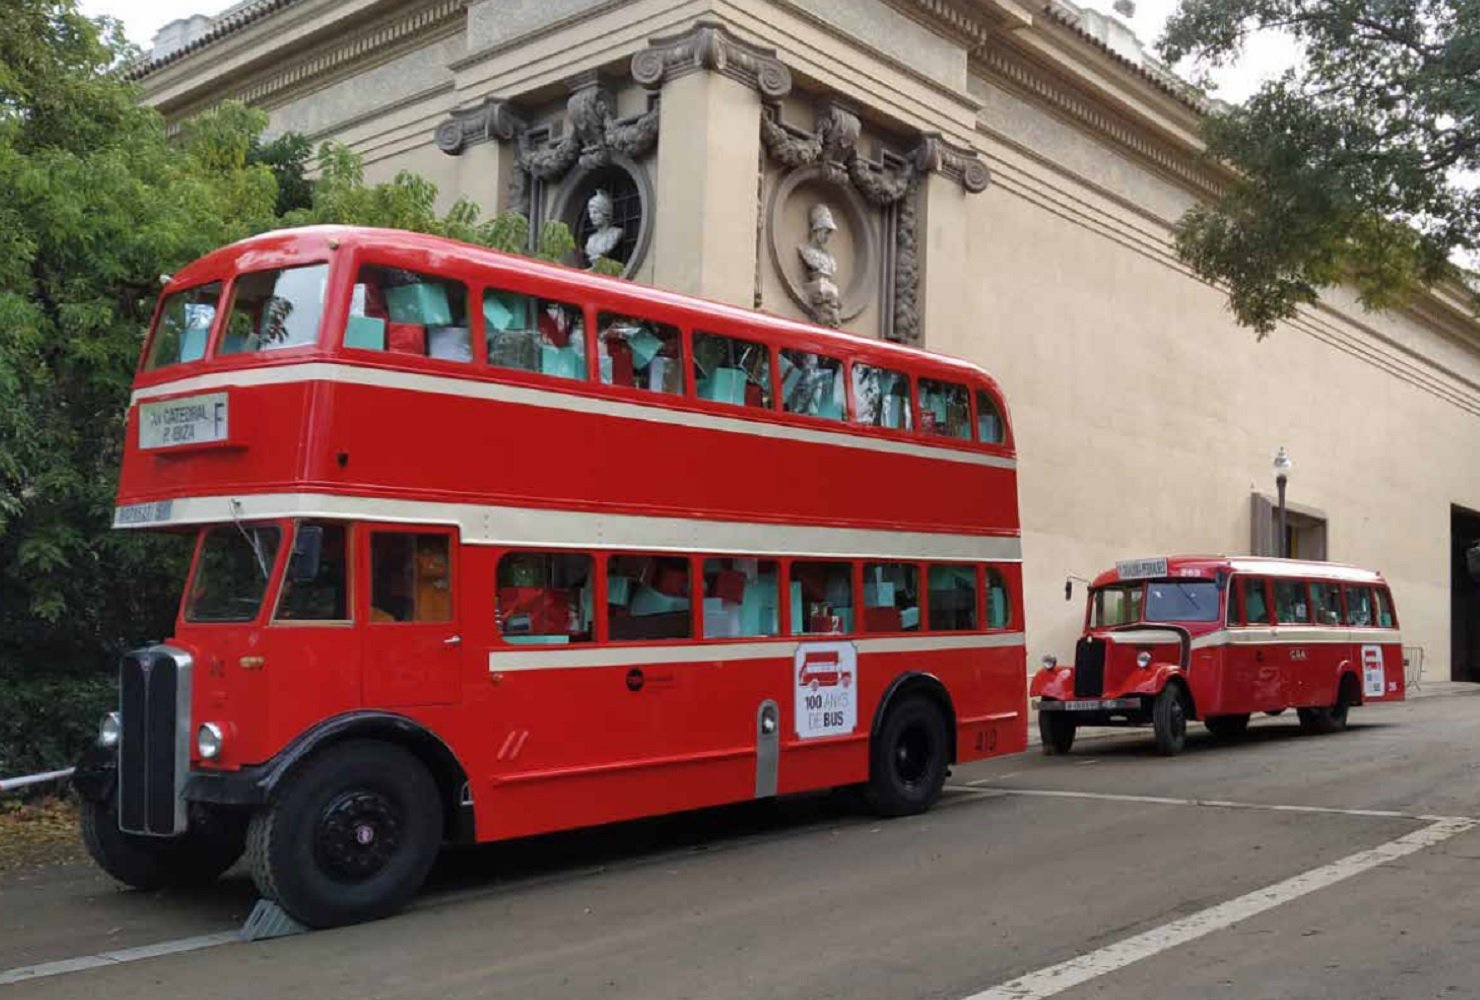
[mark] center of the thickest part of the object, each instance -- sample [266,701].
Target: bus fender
[1152,681]
[916,682]
[258,785]
[1056,682]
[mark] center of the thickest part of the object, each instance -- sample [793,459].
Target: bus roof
[1193,566]
[267,250]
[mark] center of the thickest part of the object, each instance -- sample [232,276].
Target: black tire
[1169,720]
[349,836]
[1323,721]
[198,857]
[1056,729]
[908,760]
[1227,727]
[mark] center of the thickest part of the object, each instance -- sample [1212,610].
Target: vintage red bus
[486,548]
[1179,638]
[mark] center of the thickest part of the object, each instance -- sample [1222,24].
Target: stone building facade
[1000,182]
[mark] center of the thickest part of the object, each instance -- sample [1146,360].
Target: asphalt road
[1110,873]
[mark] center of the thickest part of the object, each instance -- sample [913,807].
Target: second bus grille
[1089,668]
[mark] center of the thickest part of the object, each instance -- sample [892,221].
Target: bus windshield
[231,572]
[1155,601]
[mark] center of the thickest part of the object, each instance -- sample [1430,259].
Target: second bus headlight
[208,740]
[1143,659]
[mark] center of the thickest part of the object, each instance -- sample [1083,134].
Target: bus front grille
[154,750]
[1089,668]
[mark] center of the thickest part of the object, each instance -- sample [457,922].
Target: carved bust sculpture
[823,299]
[604,235]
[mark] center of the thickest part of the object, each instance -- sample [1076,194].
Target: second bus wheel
[1227,727]
[908,758]
[1056,729]
[350,835]
[1169,720]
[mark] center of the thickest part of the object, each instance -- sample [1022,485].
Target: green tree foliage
[97,204]
[1349,166]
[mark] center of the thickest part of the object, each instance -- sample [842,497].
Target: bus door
[412,640]
[1254,672]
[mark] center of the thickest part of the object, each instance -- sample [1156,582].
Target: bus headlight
[208,740]
[1050,661]
[110,730]
[1143,659]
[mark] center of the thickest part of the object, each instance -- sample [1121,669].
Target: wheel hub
[912,755]
[358,833]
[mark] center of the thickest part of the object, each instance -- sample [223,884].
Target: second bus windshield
[1156,601]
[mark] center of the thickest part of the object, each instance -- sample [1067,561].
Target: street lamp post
[1282,467]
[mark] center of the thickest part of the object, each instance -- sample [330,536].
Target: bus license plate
[171,423]
[1081,706]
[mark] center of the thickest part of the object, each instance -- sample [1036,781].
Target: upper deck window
[990,427]
[184,324]
[945,409]
[393,309]
[881,398]
[534,335]
[727,370]
[271,310]
[812,384]
[640,353]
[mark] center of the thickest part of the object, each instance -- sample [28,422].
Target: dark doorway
[1464,589]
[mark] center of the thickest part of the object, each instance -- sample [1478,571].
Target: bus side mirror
[308,546]
[1068,590]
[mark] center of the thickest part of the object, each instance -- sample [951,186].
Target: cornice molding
[709,45]
[998,65]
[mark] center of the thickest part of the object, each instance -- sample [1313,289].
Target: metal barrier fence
[28,780]
[1412,667]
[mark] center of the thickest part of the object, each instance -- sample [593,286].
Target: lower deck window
[410,577]
[740,598]
[544,598]
[647,597]
[316,586]
[891,597]
[952,598]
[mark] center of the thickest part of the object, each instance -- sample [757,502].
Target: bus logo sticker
[1373,677]
[826,689]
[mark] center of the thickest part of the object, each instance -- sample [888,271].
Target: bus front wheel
[1056,730]
[1169,721]
[349,837]
[908,758]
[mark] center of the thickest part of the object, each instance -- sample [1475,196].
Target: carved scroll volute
[489,121]
[710,46]
[936,155]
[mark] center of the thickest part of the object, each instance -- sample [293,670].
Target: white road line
[1056,979]
[988,785]
[26,973]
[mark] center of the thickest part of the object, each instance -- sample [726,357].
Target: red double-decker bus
[486,548]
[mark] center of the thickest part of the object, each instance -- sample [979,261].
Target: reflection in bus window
[647,597]
[945,409]
[1359,606]
[316,585]
[1117,605]
[232,572]
[184,324]
[891,597]
[271,310]
[1289,602]
[410,577]
[640,354]
[881,398]
[821,595]
[990,428]
[1256,603]
[534,335]
[393,309]
[1385,617]
[740,598]
[727,370]
[544,598]
[952,598]
[999,600]
[812,384]
[1325,598]
[1182,601]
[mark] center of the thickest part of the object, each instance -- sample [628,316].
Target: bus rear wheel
[350,836]
[197,857]
[1169,721]
[1056,729]
[908,758]
[1320,721]
[1227,727]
